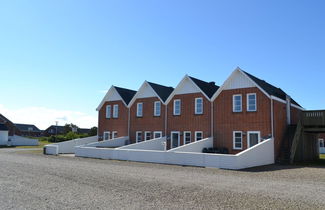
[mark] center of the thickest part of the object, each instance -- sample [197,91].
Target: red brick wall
[188,120]
[295,115]
[148,122]
[226,121]
[280,125]
[119,124]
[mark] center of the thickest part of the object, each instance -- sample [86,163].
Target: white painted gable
[113,96]
[238,80]
[187,86]
[146,91]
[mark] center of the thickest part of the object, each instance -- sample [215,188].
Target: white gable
[146,92]
[238,80]
[111,95]
[186,86]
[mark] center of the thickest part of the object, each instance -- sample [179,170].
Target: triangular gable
[111,95]
[145,91]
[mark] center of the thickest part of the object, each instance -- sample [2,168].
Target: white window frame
[234,104]
[171,139]
[136,137]
[108,113]
[180,107]
[146,135]
[247,102]
[184,138]
[156,111]
[196,103]
[321,141]
[234,140]
[138,110]
[109,135]
[114,134]
[115,111]
[248,138]
[197,132]
[157,132]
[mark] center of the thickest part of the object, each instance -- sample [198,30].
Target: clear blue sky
[62,54]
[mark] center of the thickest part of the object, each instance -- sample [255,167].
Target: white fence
[68,146]
[260,154]
[153,144]
[22,141]
[118,142]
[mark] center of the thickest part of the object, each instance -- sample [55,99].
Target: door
[253,138]
[175,139]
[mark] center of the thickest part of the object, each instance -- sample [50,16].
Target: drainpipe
[212,122]
[128,122]
[166,121]
[272,118]
[288,108]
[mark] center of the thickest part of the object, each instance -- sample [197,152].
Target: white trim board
[145,91]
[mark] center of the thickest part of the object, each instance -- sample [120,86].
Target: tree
[93,131]
[70,127]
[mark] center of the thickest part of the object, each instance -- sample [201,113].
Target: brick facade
[148,122]
[119,124]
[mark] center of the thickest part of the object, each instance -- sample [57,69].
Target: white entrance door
[175,137]
[253,138]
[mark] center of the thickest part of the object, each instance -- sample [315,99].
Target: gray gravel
[34,181]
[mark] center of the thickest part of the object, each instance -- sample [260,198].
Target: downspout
[212,122]
[166,120]
[128,123]
[272,118]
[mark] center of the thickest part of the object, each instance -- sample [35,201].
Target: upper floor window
[237,140]
[198,106]
[108,111]
[177,107]
[157,108]
[237,103]
[115,111]
[139,109]
[251,102]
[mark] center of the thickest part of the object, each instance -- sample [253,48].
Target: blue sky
[57,57]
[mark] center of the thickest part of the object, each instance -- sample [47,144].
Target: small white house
[4,134]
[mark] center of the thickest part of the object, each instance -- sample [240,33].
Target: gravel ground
[32,181]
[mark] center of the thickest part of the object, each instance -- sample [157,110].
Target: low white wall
[153,144]
[93,152]
[52,149]
[3,137]
[196,146]
[322,150]
[68,146]
[118,142]
[22,141]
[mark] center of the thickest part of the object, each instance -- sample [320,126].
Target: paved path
[33,181]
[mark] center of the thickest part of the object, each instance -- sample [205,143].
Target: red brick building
[113,113]
[148,112]
[189,111]
[248,110]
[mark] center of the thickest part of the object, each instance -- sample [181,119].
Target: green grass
[41,145]
[322,156]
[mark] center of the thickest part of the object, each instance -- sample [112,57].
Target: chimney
[212,83]
[288,109]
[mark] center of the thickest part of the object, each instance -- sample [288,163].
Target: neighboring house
[189,110]
[113,113]
[4,134]
[148,112]
[248,110]
[28,130]
[83,130]
[54,130]
[13,130]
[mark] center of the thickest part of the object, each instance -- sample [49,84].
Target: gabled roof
[3,127]
[124,94]
[209,88]
[59,127]
[3,119]
[25,127]
[162,91]
[206,88]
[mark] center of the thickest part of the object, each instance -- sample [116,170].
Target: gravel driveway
[34,181]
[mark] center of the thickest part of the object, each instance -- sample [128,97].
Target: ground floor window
[321,143]
[253,138]
[237,140]
[198,135]
[147,135]
[157,134]
[138,136]
[107,135]
[187,137]
[114,134]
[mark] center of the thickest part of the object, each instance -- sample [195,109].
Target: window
[139,109]
[157,107]
[147,135]
[187,137]
[115,111]
[238,140]
[177,107]
[108,111]
[321,143]
[138,136]
[157,134]
[30,129]
[106,135]
[237,103]
[198,106]
[253,138]
[198,135]
[114,135]
[251,102]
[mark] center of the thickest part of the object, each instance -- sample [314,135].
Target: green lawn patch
[322,156]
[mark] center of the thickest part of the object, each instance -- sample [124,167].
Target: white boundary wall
[22,141]
[3,137]
[260,154]
[153,144]
[118,142]
[196,146]
[68,146]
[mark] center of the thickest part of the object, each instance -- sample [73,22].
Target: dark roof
[126,94]
[3,127]
[60,128]
[25,127]
[162,91]
[209,88]
[270,89]
[83,130]
[3,119]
